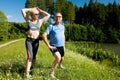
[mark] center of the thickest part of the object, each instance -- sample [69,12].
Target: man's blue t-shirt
[56,34]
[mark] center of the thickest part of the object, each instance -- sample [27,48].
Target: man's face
[58,18]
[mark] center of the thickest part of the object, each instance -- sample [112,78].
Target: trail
[5,44]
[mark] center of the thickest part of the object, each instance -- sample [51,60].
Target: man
[57,42]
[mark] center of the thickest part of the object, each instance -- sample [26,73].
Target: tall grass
[78,67]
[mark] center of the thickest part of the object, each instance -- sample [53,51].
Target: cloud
[9,16]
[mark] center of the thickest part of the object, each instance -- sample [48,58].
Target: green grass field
[78,67]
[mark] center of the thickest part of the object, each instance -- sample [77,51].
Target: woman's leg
[35,50]
[29,57]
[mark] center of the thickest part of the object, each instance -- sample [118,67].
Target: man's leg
[61,50]
[55,63]
[60,64]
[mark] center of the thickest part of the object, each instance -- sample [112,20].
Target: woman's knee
[30,58]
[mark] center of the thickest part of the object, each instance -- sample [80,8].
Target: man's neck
[57,23]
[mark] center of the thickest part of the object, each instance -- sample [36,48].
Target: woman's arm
[46,15]
[24,11]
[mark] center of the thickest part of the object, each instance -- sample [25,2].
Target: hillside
[78,67]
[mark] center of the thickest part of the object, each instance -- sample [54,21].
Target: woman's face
[35,14]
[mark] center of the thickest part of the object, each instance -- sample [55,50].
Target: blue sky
[12,8]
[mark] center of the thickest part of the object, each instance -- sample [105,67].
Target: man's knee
[57,57]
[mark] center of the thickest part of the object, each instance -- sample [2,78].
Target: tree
[116,16]
[100,13]
[60,5]
[30,3]
[36,3]
[70,12]
[78,16]
[90,12]
[67,9]
[84,14]
[113,15]
[50,6]
[3,18]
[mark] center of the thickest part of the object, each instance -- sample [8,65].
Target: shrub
[3,31]
[95,54]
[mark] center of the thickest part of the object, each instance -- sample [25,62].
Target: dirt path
[5,44]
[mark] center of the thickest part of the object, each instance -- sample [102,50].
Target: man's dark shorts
[58,49]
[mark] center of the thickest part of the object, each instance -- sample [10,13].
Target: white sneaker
[52,75]
[62,67]
[28,76]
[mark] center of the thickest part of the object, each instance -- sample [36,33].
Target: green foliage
[112,35]
[95,54]
[67,9]
[99,15]
[50,6]
[3,18]
[99,36]
[76,32]
[35,3]
[91,32]
[11,30]
[4,31]
[17,30]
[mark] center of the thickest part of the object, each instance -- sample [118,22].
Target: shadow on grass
[17,70]
[12,69]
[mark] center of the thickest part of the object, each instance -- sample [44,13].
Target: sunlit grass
[78,67]
[2,42]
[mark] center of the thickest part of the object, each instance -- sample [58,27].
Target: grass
[5,41]
[78,67]
[2,42]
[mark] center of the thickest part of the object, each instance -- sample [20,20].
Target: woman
[32,40]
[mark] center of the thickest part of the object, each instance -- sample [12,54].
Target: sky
[12,8]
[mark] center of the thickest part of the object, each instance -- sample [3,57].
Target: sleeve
[63,28]
[49,28]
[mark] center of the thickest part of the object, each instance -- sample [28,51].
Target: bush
[91,32]
[76,32]
[3,31]
[11,30]
[95,54]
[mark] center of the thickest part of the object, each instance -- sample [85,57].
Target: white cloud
[9,16]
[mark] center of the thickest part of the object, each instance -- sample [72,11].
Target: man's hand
[52,47]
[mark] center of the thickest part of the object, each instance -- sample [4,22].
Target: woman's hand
[40,10]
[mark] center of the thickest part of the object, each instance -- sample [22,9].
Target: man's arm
[44,36]
[64,42]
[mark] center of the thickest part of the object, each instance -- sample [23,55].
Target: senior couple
[55,32]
